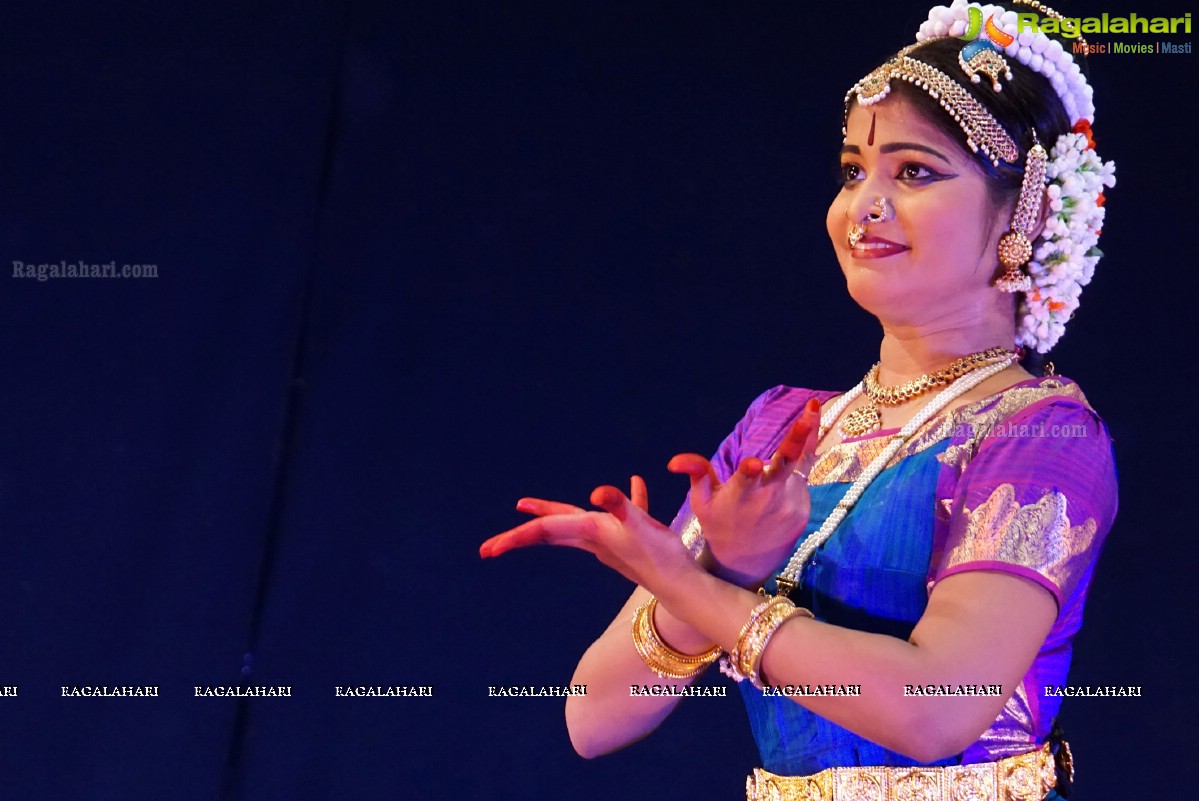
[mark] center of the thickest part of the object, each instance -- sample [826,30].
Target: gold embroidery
[844,462]
[1037,536]
[692,536]
[977,419]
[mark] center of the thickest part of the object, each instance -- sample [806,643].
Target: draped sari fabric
[1021,482]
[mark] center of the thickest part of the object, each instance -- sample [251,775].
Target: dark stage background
[416,260]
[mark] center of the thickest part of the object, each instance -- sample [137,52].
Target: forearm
[610,717]
[807,652]
[923,727]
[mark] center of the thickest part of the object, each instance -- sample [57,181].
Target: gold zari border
[844,462]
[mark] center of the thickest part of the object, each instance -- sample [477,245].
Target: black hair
[1033,362]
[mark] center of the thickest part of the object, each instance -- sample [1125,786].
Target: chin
[886,296]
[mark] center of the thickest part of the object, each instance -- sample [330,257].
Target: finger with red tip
[703,476]
[638,493]
[811,413]
[531,533]
[612,501]
[792,446]
[540,508]
[692,464]
[557,530]
[750,467]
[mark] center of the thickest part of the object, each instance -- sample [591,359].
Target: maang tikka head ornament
[1063,257]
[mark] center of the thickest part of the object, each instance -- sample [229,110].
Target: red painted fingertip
[790,449]
[638,493]
[611,500]
[792,445]
[526,505]
[750,467]
[691,464]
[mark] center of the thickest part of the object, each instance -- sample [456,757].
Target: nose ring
[883,212]
[856,232]
[880,212]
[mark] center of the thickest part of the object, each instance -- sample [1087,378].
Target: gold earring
[1015,248]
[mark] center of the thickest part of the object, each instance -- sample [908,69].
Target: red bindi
[870,139]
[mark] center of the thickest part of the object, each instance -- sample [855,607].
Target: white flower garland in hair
[1033,49]
[1065,254]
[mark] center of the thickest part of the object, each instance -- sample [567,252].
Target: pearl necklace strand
[788,579]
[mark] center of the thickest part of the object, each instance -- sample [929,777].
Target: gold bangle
[751,641]
[731,667]
[659,657]
[746,658]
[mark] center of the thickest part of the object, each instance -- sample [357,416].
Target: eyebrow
[892,147]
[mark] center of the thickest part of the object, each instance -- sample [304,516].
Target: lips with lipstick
[875,247]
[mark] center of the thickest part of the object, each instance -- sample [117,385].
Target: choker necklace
[789,578]
[869,418]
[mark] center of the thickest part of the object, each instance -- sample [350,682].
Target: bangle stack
[746,658]
[659,657]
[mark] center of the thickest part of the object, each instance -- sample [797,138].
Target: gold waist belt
[1027,777]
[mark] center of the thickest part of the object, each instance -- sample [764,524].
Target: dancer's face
[933,256]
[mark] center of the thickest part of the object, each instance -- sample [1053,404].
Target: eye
[850,173]
[912,171]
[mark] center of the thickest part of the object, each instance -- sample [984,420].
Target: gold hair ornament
[982,131]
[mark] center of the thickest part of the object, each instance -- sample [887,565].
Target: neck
[908,353]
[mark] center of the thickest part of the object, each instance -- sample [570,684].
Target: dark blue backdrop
[416,260]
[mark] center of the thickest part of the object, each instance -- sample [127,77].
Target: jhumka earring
[1015,247]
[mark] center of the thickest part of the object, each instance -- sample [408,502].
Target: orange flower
[1083,127]
[1056,305]
[1099,201]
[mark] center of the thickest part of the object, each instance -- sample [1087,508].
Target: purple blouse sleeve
[1036,500]
[757,434]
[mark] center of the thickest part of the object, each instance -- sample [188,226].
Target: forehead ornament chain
[982,131]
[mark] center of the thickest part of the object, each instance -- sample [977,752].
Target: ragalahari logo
[984,53]
[1075,27]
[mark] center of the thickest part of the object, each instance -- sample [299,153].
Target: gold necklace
[869,418]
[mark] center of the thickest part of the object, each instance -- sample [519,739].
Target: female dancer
[894,574]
